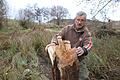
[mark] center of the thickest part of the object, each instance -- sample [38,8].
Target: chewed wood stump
[65,63]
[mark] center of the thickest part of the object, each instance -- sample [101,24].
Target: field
[22,55]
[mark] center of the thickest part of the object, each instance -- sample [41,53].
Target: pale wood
[50,48]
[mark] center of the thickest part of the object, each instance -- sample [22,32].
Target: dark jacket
[78,38]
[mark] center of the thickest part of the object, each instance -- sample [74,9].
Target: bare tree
[100,7]
[56,12]
[41,14]
[46,13]
[26,17]
[3,12]
[59,13]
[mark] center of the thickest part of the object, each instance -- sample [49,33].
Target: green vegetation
[19,53]
[104,59]
[22,55]
[22,42]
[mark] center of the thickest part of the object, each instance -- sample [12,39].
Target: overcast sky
[72,5]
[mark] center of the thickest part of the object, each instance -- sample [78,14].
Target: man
[80,38]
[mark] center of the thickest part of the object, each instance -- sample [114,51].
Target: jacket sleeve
[61,33]
[87,43]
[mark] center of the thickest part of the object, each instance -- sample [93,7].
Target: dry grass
[19,52]
[104,59]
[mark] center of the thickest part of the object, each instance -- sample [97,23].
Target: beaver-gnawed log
[65,63]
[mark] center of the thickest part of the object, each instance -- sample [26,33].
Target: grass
[104,58]
[19,50]
[19,54]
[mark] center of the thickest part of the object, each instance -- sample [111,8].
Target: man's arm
[87,44]
[61,33]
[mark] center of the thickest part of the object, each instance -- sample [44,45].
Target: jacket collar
[80,30]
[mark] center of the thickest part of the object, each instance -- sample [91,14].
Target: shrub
[20,60]
[104,58]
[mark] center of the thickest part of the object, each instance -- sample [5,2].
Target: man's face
[80,21]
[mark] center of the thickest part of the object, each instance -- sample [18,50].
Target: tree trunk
[66,65]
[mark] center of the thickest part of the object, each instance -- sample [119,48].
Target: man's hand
[79,51]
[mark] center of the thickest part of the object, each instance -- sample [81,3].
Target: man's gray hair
[81,13]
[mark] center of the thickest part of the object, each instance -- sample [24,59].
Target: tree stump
[67,61]
[65,64]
